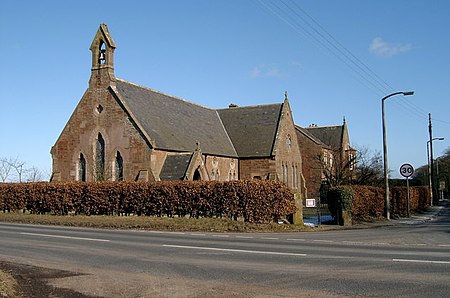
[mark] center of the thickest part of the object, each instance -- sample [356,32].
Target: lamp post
[385,153]
[430,176]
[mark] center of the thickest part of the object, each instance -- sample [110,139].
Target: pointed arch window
[293,176]
[100,157]
[102,53]
[119,167]
[81,168]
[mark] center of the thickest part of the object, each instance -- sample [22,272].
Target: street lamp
[430,180]
[385,153]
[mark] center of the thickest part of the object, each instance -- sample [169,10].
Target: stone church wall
[99,112]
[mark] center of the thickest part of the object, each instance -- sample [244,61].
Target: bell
[102,55]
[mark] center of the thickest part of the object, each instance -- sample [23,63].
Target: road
[402,260]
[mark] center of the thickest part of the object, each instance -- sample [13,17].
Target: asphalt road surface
[404,260]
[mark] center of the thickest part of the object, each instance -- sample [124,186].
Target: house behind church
[123,131]
[324,149]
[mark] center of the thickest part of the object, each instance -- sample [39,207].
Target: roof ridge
[325,126]
[254,106]
[165,94]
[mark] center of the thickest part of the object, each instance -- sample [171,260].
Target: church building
[123,131]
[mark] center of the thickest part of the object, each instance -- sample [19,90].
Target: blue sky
[335,59]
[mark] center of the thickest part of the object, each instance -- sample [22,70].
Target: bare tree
[369,168]
[363,167]
[15,170]
[5,169]
[34,174]
[19,167]
[338,172]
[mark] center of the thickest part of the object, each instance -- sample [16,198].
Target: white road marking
[237,250]
[353,242]
[166,232]
[444,245]
[196,234]
[324,241]
[224,236]
[269,238]
[244,237]
[421,261]
[65,237]
[295,239]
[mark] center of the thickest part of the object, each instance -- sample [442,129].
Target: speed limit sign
[406,170]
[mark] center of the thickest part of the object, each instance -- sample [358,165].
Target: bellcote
[102,49]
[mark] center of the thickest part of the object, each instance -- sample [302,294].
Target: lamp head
[408,93]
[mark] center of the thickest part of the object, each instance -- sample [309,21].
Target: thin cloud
[386,49]
[265,71]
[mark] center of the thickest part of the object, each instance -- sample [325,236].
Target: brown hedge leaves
[253,201]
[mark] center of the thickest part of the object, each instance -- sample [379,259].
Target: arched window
[82,168]
[119,167]
[293,176]
[215,174]
[296,176]
[285,173]
[100,157]
[232,175]
[102,53]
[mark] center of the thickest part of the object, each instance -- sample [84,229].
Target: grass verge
[151,223]
[8,286]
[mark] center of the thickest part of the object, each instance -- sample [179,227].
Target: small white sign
[406,170]
[310,203]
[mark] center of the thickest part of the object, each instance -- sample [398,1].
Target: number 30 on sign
[406,170]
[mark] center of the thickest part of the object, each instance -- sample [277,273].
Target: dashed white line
[65,237]
[353,242]
[244,237]
[269,238]
[421,261]
[324,241]
[218,235]
[196,234]
[236,250]
[444,245]
[166,232]
[295,239]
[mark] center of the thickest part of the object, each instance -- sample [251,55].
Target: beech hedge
[253,201]
[368,201]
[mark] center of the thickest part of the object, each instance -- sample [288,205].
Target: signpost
[311,203]
[407,170]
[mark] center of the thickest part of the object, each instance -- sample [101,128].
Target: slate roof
[175,124]
[175,167]
[330,135]
[310,136]
[252,129]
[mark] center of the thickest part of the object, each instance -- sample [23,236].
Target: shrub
[255,201]
[340,199]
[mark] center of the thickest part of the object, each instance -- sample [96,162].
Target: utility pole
[430,130]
